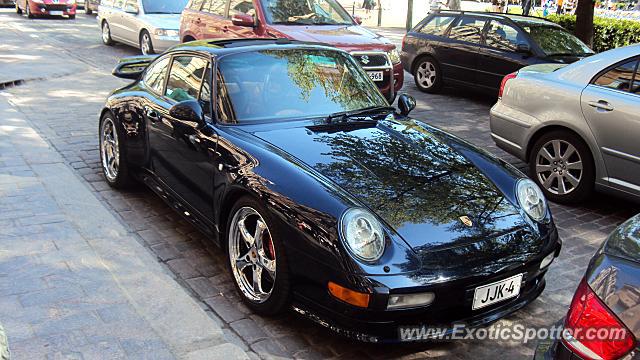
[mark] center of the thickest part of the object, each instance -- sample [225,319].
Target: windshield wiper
[345,115]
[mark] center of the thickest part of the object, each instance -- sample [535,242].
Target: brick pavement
[198,267]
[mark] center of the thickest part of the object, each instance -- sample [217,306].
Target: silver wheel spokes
[105,32]
[109,149]
[252,255]
[145,44]
[427,74]
[559,167]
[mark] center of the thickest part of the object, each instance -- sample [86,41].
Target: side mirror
[406,103]
[188,110]
[243,20]
[358,19]
[523,48]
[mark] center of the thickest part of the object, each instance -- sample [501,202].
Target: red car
[35,8]
[323,21]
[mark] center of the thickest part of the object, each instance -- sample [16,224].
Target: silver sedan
[151,25]
[578,125]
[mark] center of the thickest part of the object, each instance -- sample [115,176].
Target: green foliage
[607,33]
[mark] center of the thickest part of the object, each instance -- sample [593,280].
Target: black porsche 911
[325,199]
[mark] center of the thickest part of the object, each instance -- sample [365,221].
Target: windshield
[556,41]
[291,83]
[163,6]
[306,12]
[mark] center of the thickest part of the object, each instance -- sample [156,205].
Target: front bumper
[52,9]
[453,304]
[162,43]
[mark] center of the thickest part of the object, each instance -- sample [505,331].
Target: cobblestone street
[62,105]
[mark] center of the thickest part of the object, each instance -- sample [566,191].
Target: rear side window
[155,75]
[504,36]
[437,25]
[620,77]
[216,7]
[468,29]
[185,78]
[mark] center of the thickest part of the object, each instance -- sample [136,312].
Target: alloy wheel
[426,74]
[145,44]
[559,167]
[106,33]
[109,149]
[252,255]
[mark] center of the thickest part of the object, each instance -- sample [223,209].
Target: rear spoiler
[132,67]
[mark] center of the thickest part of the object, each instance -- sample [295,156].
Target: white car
[151,25]
[577,125]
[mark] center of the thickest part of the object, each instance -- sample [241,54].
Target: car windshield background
[305,12]
[621,77]
[292,83]
[556,41]
[163,6]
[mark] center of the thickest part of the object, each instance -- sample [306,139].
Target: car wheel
[427,75]
[87,9]
[18,10]
[146,46]
[257,258]
[562,165]
[28,10]
[112,154]
[106,34]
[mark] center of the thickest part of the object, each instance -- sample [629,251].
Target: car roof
[221,47]
[522,20]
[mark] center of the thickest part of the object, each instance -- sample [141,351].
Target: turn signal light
[504,82]
[588,315]
[349,296]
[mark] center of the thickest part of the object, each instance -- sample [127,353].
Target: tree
[584,21]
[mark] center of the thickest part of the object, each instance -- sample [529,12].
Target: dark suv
[478,49]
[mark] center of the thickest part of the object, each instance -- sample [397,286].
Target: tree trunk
[584,21]
[409,14]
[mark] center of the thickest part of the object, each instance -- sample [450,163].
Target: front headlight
[362,233]
[531,199]
[394,55]
[167,32]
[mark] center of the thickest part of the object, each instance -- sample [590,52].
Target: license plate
[486,295]
[55,12]
[376,75]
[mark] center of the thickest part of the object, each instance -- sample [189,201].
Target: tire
[87,9]
[427,74]
[28,10]
[113,153]
[146,45]
[106,34]
[18,10]
[278,284]
[565,171]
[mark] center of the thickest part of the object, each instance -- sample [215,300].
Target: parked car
[47,7]
[323,197]
[7,2]
[576,125]
[90,6]
[477,50]
[323,21]
[606,302]
[150,25]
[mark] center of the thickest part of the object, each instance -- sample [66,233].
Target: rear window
[437,25]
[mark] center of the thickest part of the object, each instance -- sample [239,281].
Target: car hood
[162,21]
[421,183]
[345,37]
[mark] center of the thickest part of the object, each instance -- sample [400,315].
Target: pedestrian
[559,9]
[526,7]
[368,5]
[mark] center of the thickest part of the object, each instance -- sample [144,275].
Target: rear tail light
[504,82]
[592,330]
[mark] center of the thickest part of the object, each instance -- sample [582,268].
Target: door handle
[152,115]
[601,104]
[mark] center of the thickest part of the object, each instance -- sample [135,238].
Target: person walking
[559,9]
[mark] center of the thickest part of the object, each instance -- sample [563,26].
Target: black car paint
[307,172]
[470,64]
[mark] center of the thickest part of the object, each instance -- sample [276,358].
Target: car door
[191,20]
[499,54]
[611,106]
[129,21]
[459,56]
[213,19]
[182,151]
[113,15]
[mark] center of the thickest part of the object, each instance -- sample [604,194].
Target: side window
[107,2]
[205,93]
[185,78]
[438,25]
[131,6]
[241,7]
[620,77]
[468,29]
[223,104]
[216,7]
[118,4]
[195,5]
[155,75]
[504,36]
